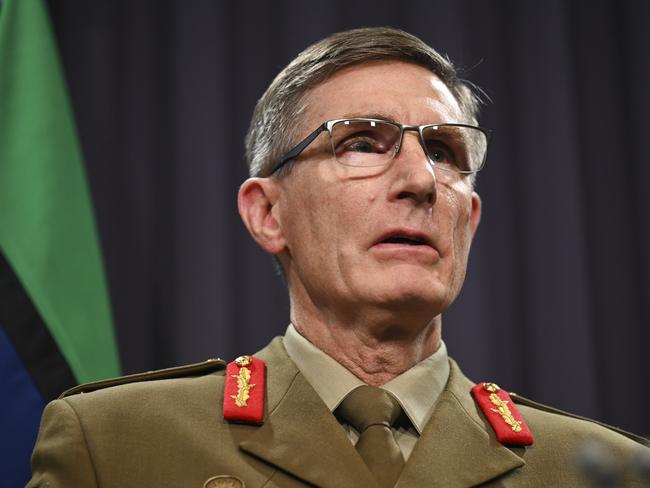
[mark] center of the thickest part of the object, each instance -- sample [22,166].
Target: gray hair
[275,124]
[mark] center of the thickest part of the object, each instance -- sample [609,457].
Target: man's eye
[440,155]
[363,145]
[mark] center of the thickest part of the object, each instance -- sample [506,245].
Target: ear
[257,201]
[475,218]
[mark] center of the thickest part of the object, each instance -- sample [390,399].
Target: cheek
[458,202]
[320,221]
[463,229]
[460,206]
[347,204]
[299,218]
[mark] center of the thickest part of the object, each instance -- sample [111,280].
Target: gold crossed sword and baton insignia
[243,381]
[502,407]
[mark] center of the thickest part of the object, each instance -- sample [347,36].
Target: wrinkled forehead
[404,92]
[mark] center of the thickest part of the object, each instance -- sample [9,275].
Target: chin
[421,298]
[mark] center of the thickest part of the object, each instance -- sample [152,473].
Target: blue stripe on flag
[20,414]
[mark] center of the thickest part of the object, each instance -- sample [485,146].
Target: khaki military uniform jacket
[171,433]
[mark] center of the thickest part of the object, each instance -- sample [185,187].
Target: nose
[413,174]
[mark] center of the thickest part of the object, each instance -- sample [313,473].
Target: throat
[374,359]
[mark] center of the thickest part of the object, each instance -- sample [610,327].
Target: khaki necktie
[372,412]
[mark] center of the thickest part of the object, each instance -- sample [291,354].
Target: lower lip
[407,252]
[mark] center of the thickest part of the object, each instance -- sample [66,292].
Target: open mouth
[404,239]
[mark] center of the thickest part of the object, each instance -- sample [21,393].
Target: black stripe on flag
[31,337]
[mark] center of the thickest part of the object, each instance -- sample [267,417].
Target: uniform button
[224,481]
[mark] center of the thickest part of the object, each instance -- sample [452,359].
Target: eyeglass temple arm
[299,148]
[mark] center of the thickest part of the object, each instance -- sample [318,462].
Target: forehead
[405,92]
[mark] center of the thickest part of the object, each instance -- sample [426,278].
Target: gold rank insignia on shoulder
[503,415]
[243,381]
[502,407]
[243,399]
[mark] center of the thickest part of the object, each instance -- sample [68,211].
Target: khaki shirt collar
[417,389]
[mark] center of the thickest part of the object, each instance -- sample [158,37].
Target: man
[363,154]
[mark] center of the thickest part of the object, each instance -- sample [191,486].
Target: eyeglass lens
[375,143]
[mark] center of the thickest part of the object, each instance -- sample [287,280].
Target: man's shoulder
[203,381]
[567,445]
[169,382]
[153,426]
[552,429]
[548,422]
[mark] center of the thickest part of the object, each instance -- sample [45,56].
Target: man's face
[342,225]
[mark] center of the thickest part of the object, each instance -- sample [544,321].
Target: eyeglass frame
[329,124]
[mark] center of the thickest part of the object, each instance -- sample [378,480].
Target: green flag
[47,230]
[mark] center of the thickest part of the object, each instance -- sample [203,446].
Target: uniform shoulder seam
[196,369]
[545,408]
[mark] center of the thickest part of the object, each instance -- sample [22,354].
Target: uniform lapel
[300,435]
[456,449]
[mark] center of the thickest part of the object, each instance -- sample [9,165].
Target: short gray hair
[275,124]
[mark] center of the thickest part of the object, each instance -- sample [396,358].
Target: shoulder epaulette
[243,399]
[500,411]
[540,406]
[207,366]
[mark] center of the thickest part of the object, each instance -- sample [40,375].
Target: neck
[374,351]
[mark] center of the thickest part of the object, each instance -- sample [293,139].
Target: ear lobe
[256,201]
[475,218]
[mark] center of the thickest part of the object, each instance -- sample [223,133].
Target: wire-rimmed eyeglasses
[360,142]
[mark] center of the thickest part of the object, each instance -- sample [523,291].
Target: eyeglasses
[457,148]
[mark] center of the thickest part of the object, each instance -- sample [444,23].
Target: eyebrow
[382,116]
[370,115]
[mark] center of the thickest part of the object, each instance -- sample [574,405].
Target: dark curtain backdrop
[556,304]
